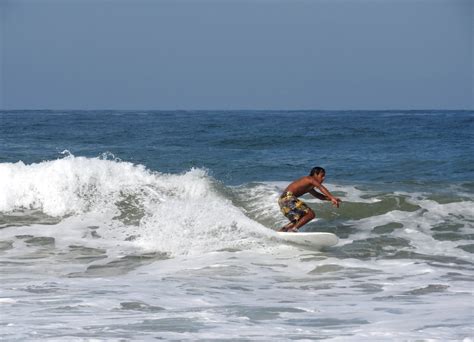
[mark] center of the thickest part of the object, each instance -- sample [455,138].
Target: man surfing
[295,209]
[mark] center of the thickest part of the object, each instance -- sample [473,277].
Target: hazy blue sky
[229,54]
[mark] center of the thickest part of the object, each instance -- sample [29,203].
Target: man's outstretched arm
[318,195]
[335,201]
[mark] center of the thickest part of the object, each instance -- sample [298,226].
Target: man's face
[320,177]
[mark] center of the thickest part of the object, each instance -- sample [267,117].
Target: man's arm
[335,201]
[318,195]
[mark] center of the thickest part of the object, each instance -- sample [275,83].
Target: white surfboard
[314,239]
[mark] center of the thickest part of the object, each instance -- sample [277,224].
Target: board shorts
[292,207]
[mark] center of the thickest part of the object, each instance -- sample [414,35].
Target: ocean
[161,225]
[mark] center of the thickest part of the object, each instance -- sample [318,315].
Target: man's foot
[288,230]
[285,228]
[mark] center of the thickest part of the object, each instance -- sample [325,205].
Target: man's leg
[302,221]
[287,227]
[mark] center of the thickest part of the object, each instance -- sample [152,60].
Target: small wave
[191,213]
[70,185]
[173,213]
[376,223]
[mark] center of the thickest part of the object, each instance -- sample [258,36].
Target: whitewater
[161,261]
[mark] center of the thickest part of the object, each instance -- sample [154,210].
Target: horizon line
[238,110]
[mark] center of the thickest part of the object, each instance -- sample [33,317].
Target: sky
[236,54]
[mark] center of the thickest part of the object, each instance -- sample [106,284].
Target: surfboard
[314,239]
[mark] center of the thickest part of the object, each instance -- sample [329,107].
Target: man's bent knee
[311,215]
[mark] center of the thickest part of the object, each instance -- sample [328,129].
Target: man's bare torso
[300,186]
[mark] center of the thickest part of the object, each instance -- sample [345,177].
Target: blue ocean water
[162,225]
[238,147]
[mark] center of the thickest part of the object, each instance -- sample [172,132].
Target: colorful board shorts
[292,207]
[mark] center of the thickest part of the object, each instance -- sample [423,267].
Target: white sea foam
[177,214]
[224,273]
[68,186]
[186,213]
[4,301]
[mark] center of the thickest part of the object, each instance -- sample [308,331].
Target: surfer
[295,209]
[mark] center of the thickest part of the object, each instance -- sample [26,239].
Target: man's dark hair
[317,170]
